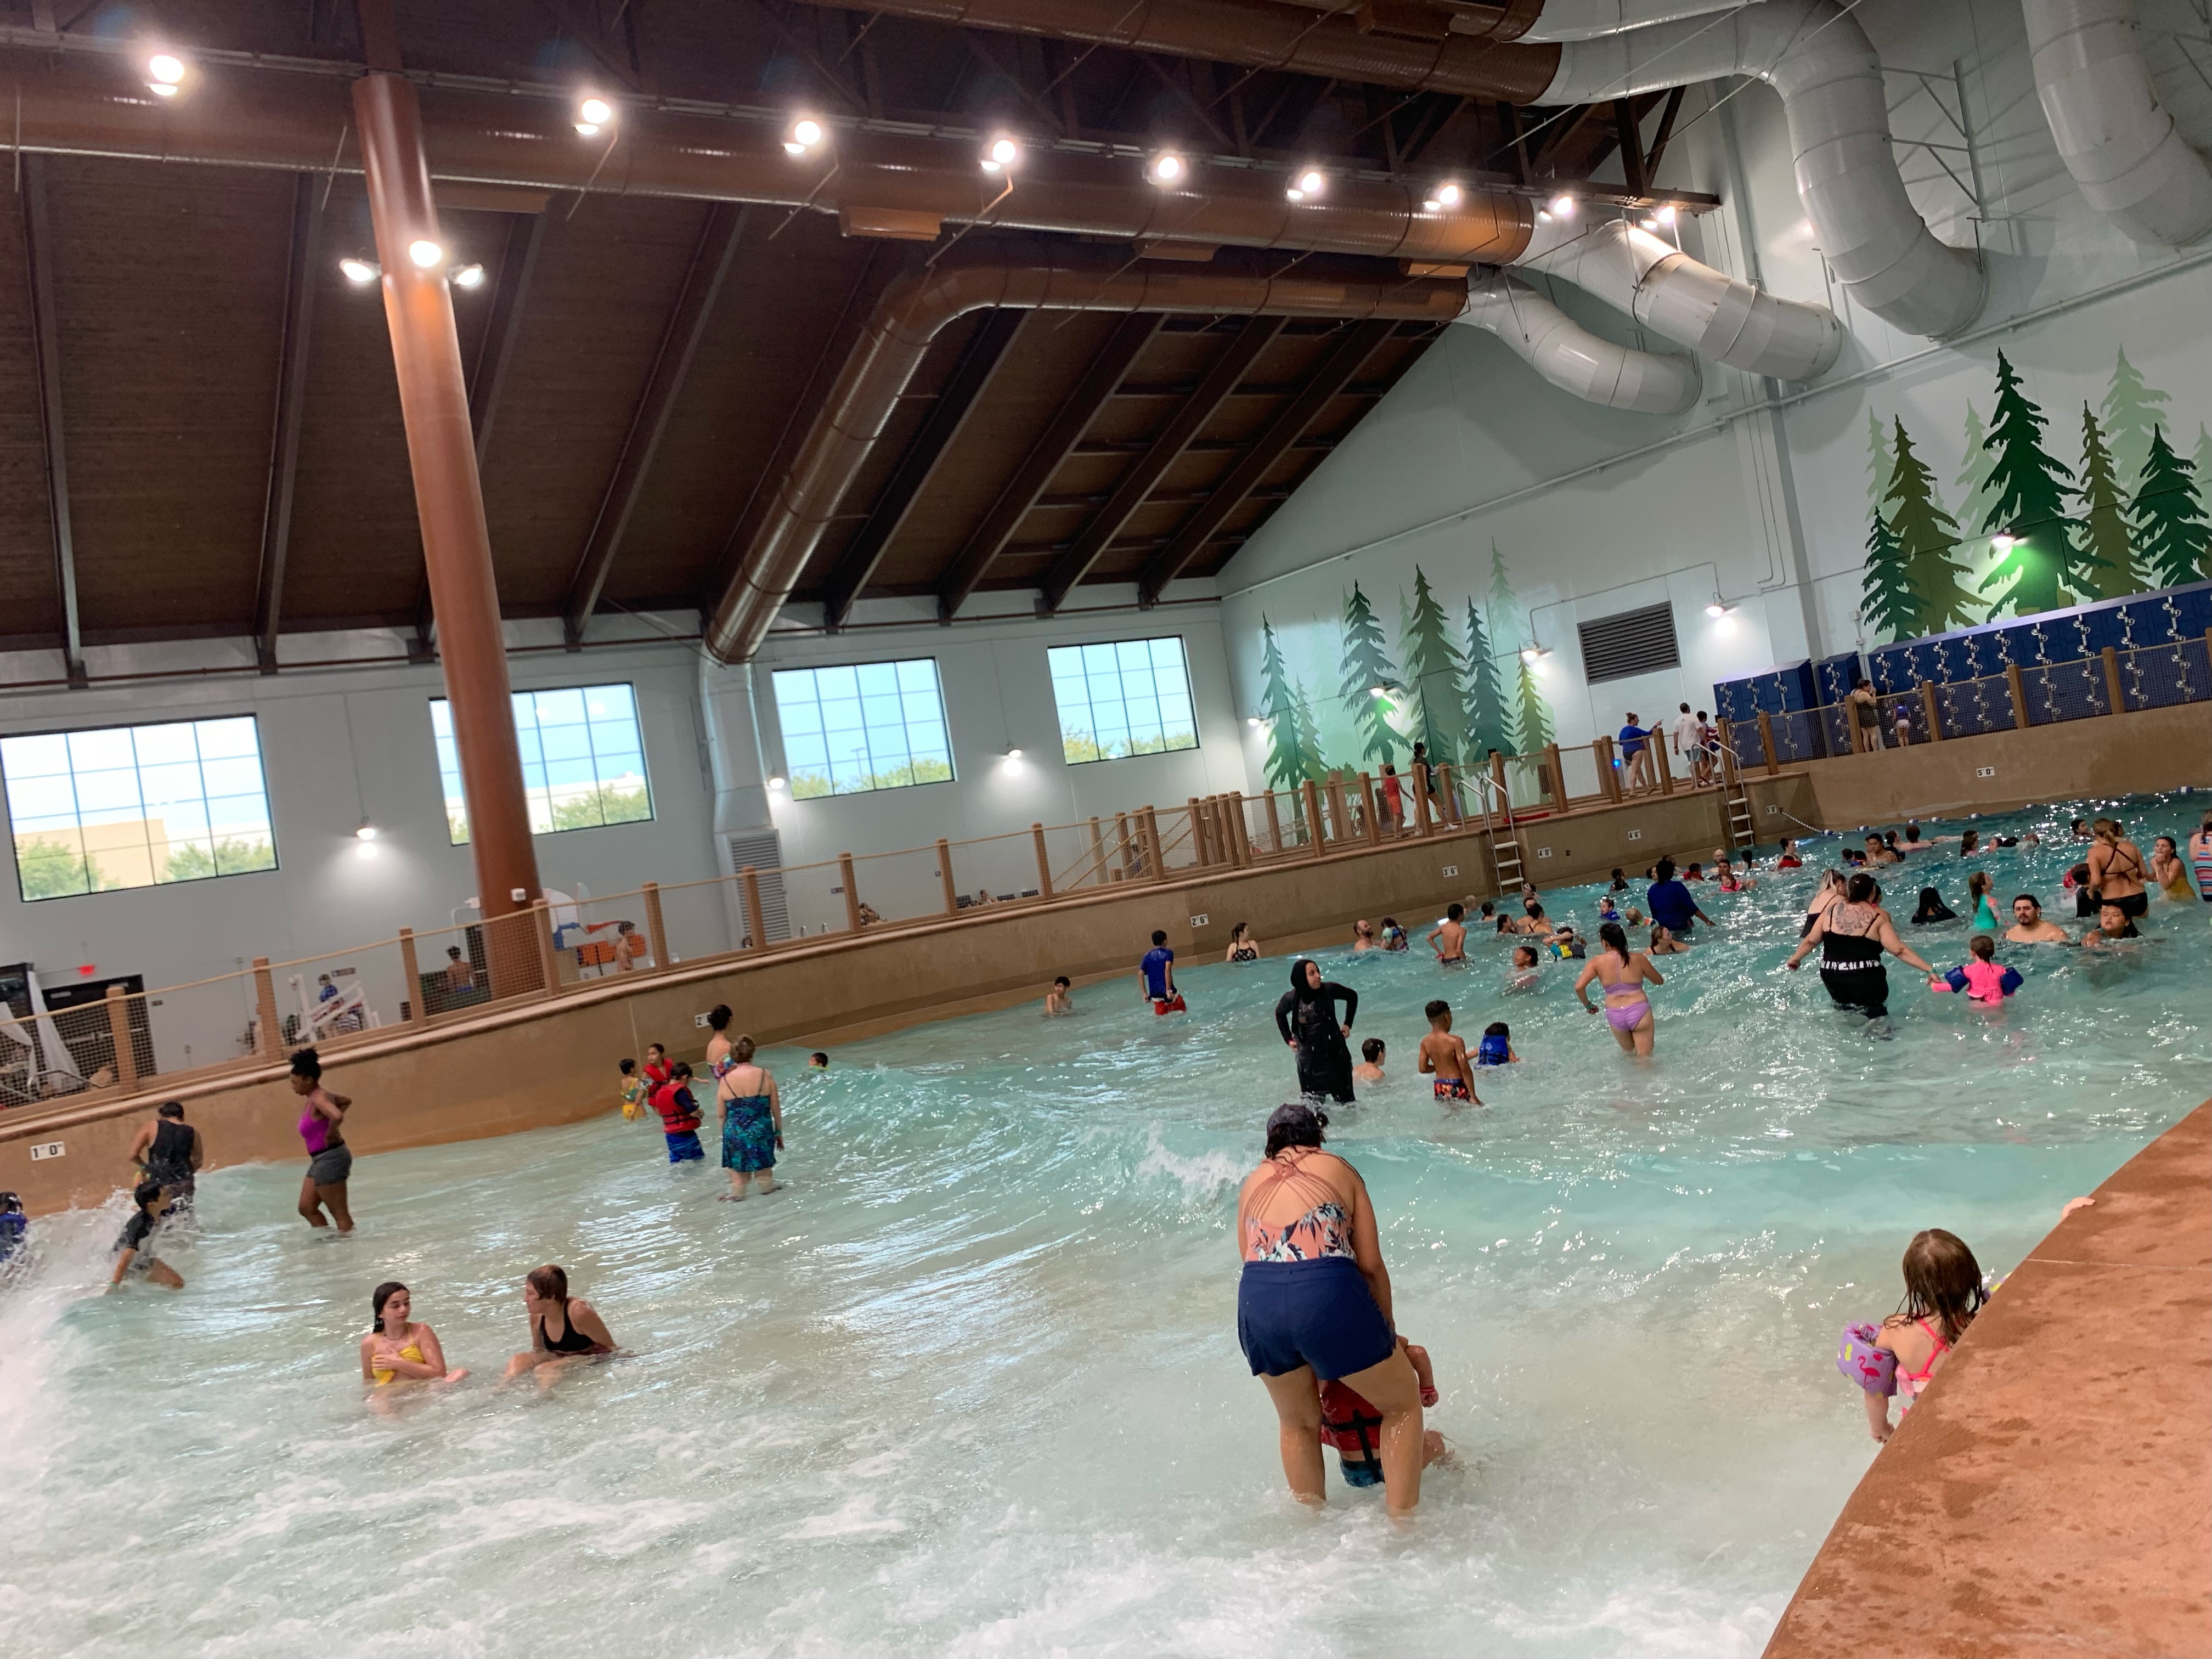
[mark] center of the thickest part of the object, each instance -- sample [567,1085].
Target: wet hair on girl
[1304,1131]
[382,1294]
[742,1049]
[307,1064]
[551,1283]
[1978,885]
[1942,1282]
[1932,907]
[1862,888]
[1615,938]
[718,1017]
[1239,930]
[1983,947]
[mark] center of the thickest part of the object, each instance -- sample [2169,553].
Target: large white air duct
[1586,20]
[2121,147]
[1813,53]
[1691,304]
[1572,358]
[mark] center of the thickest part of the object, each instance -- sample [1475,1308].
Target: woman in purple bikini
[330,1160]
[1623,973]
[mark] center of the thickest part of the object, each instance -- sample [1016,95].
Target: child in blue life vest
[1497,1046]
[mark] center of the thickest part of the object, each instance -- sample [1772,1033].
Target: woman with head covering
[1306,1017]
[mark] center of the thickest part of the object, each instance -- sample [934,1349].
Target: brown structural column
[755,920]
[271,1038]
[1274,823]
[1098,852]
[2017,687]
[851,888]
[118,1035]
[656,943]
[945,876]
[2112,682]
[1044,862]
[1367,803]
[1148,829]
[412,971]
[1766,740]
[1311,797]
[1930,712]
[434,403]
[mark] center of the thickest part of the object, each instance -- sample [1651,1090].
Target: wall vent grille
[1629,643]
[765,854]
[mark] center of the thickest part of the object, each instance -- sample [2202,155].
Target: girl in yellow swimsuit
[397,1349]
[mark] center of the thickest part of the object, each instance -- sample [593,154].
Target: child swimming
[1351,1425]
[1525,974]
[1369,1069]
[1495,1047]
[1980,977]
[1056,1001]
[1942,1294]
[1444,1056]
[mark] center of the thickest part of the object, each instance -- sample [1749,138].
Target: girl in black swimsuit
[582,1335]
[1852,936]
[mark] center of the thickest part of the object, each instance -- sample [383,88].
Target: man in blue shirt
[1636,755]
[1672,907]
[1156,976]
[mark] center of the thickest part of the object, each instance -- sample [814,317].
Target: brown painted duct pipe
[1267,35]
[95,106]
[919,305]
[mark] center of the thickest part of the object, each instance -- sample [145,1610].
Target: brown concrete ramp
[2051,1493]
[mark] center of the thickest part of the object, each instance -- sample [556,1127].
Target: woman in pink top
[330,1160]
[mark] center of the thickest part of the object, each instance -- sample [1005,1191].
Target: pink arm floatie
[1874,1368]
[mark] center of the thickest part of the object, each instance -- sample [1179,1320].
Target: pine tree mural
[1309,730]
[1885,592]
[2202,457]
[1434,667]
[1291,760]
[1978,498]
[1880,464]
[2104,561]
[2169,519]
[2130,412]
[1532,715]
[1926,541]
[1490,723]
[1367,665]
[2030,486]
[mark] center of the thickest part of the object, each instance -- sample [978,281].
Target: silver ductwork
[1587,20]
[1572,358]
[1691,304]
[2121,147]
[1815,56]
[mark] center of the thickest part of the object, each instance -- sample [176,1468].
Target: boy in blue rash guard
[1672,907]
[1156,976]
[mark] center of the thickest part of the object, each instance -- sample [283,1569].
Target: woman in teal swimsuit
[752,1119]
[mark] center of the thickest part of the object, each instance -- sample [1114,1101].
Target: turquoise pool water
[971,1386]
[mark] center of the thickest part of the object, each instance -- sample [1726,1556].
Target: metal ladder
[1506,844]
[1743,832]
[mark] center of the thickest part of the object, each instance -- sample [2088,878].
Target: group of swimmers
[747,1104]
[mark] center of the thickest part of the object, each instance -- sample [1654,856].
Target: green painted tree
[2169,519]
[1434,665]
[1367,666]
[1310,736]
[1928,544]
[1879,464]
[2104,562]
[2030,486]
[1976,500]
[2202,457]
[1291,760]
[1886,598]
[1532,715]
[1490,722]
[2130,412]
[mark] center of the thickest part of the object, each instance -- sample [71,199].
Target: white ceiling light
[1563,206]
[426,254]
[468,277]
[164,73]
[775,783]
[1002,154]
[1311,182]
[1252,720]
[1443,197]
[1716,610]
[1534,654]
[367,832]
[358,270]
[1167,168]
[805,133]
[1665,216]
[597,111]
[2002,542]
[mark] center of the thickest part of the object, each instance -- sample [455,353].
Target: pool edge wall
[2051,1493]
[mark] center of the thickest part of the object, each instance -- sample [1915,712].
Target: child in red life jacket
[679,1116]
[1352,1424]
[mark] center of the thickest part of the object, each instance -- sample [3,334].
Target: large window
[583,760]
[1131,697]
[132,806]
[871,725]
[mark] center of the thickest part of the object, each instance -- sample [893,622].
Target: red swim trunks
[1453,1088]
[1173,1004]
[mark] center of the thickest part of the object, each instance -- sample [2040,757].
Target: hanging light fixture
[1166,168]
[469,276]
[592,114]
[805,133]
[1002,154]
[360,271]
[165,74]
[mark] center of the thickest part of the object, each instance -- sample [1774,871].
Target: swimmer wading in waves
[1306,1017]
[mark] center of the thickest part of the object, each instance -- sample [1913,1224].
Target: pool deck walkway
[2051,1493]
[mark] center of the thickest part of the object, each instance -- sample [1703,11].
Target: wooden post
[945,872]
[1498,777]
[1368,805]
[271,1043]
[1310,796]
[1275,825]
[1417,778]
[1216,838]
[1930,713]
[1197,833]
[2112,681]
[1556,770]
[1240,838]
[541,936]
[1098,853]
[1044,863]
[1122,848]
[656,925]
[118,1033]
[1448,800]
[756,923]
[2017,690]
[1148,830]
[1766,741]
[851,886]
[1608,774]
[1339,811]
[1657,744]
[416,1013]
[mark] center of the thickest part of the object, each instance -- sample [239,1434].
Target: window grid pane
[136,807]
[1128,697]
[850,729]
[583,760]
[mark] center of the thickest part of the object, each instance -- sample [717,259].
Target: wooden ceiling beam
[969,379]
[688,318]
[1253,337]
[46,344]
[301,275]
[1330,376]
[1052,445]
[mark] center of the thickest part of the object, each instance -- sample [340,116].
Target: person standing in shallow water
[1306,1017]
[330,1160]
[1313,1306]
[752,1121]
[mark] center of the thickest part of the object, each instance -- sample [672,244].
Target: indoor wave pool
[971,1384]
